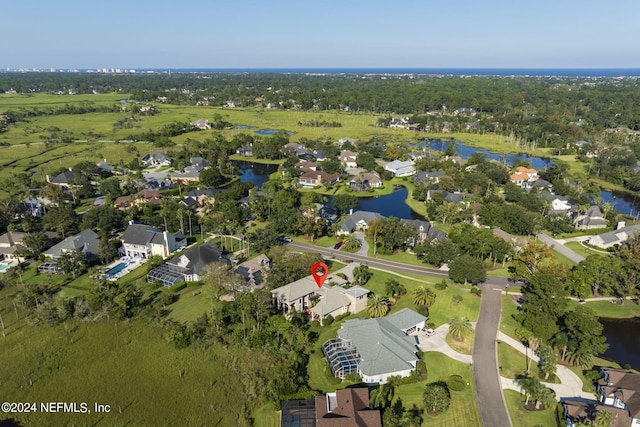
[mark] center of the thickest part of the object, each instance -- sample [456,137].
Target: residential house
[10,243]
[142,241]
[358,220]
[399,123]
[200,162]
[86,241]
[592,218]
[615,237]
[582,413]
[427,177]
[189,266]
[344,140]
[38,206]
[254,271]
[376,348]
[336,300]
[320,155]
[141,197]
[426,231]
[365,180]
[204,196]
[314,179]
[245,150]
[202,124]
[539,184]
[156,159]
[157,184]
[105,167]
[64,179]
[399,168]
[297,295]
[558,204]
[523,175]
[348,159]
[326,213]
[621,389]
[190,174]
[349,407]
[189,202]
[446,196]
[294,148]
[307,166]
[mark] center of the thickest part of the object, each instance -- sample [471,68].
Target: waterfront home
[358,220]
[365,180]
[399,168]
[592,218]
[317,178]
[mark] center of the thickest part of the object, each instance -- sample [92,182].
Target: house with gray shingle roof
[358,220]
[142,241]
[615,237]
[592,218]
[399,168]
[86,241]
[156,159]
[336,300]
[376,348]
[63,179]
[427,177]
[189,266]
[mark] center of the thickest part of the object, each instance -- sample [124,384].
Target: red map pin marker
[319,276]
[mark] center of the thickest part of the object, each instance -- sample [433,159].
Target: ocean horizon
[503,72]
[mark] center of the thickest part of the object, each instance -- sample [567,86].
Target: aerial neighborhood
[193,240]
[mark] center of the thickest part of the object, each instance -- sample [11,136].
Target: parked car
[338,245]
[286,240]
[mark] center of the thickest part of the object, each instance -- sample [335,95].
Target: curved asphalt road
[491,404]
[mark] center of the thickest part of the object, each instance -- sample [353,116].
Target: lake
[623,337]
[465,152]
[389,205]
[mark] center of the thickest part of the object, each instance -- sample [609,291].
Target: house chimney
[620,225]
[351,211]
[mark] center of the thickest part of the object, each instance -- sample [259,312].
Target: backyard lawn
[522,417]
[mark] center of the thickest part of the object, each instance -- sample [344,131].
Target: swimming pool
[116,269]
[4,266]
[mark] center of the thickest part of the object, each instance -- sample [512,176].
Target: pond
[625,203]
[389,205]
[272,132]
[255,172]
[623,337]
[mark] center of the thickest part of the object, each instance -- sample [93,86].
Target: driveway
[364,246]
[560,247]
[438,342]
[491,404]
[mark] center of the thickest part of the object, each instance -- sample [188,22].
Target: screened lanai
[167,274]
[342,356]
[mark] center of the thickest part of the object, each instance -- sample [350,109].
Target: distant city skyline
[331,34]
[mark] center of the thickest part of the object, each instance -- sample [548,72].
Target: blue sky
[328,33]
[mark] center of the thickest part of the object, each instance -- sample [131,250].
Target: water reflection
[623,337]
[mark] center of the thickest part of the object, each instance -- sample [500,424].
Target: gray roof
[426,176]
[449,197]
[189,172]
[86,241]
[63,178]
[105,166]
[357,291]
[383,347]
[157,156]
[620,235]
[142,234]
[405,318]
[196,258]
[349,223]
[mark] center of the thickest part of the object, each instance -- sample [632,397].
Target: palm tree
[603,418]
[459,327]
[424,296]
[361,274]
[528,386]
[350,242]
[377,305]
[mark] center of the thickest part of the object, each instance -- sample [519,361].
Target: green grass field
[522,417]
[126,365]
[463,410]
